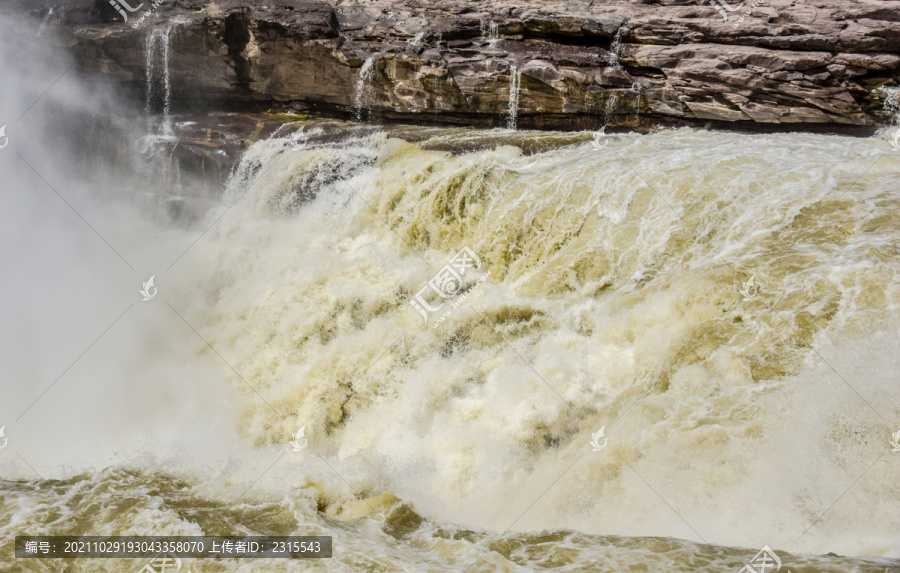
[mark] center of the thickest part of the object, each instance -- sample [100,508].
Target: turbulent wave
[612,300]
[619,295]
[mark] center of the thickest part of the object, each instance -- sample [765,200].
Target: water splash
[365,91]
[616,96]
[156,63]
[592,261]
[416,40]
[515,88]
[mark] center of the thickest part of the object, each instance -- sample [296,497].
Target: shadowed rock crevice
[237,37]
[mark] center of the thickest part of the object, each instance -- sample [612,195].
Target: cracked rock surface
[826,64]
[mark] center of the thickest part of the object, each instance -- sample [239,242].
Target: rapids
[717,312]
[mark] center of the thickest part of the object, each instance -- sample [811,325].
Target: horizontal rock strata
[827,65]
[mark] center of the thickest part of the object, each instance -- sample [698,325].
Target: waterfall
[615,96]
[44,22]
[610,107]
[156,64]
[160,163]
[158,149]
[892,103]
[490,31]
[365,91]
[612,103]
[615,48]
[515,86]
[415,41]
[636,89]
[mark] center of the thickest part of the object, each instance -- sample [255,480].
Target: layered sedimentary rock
[829,64]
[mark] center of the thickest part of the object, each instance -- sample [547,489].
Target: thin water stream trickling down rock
[811,67]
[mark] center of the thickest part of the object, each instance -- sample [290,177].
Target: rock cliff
[816,65]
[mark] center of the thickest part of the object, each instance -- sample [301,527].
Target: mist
[92,374]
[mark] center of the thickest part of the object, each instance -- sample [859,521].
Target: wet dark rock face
[825,65]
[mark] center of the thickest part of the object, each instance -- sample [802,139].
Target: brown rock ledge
[823,66]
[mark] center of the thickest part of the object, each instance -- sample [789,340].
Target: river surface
[451,349]
[607,287]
